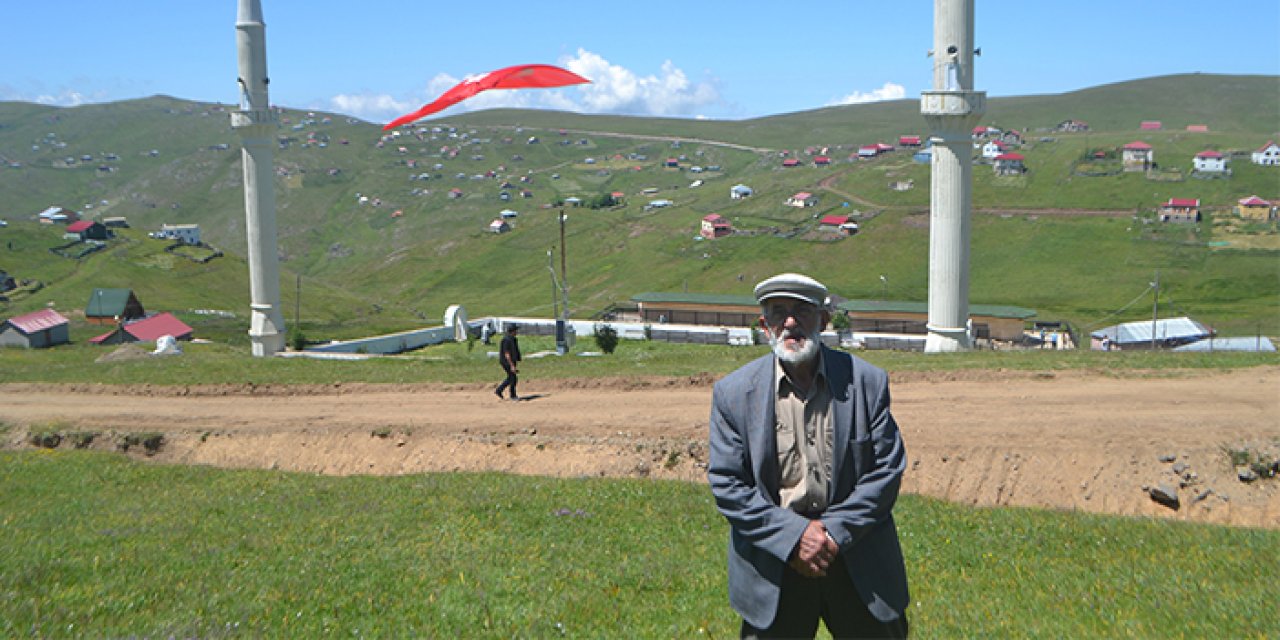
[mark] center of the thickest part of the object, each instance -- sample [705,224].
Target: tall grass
[97,545]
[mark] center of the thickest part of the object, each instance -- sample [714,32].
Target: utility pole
[1155,310]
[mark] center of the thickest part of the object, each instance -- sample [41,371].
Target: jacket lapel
[838,374]
[762,439]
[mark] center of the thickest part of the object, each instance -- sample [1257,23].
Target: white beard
[806,353]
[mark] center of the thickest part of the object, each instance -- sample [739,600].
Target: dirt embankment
[1075,440]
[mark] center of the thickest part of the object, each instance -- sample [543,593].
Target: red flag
[522,76]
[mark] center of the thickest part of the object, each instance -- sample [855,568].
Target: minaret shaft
[256,124]
[951,109]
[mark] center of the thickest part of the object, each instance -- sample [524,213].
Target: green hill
[411,249]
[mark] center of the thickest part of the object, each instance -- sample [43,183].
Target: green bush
[606,337]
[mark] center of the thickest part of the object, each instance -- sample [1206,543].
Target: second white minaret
[951,109]
[255,123]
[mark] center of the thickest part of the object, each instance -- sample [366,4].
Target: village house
[1150,125]
[802,199]
[1210,162]
[112,306]
[148,329]
[116,222]
[1010,164]
[1012,136]
[1180,210]
[1198,128]
[981,132]
[790,163]
[1255,208]
[1138,156]
[821,161]
[992,149]
[740,191]
[715,226]
[35,330]
[86,230]
[1268,154]
[838,223]
[1072,126]
[499,226]
[185,233]
[908,141]
[57,215]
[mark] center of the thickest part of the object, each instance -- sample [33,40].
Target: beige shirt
[804,435]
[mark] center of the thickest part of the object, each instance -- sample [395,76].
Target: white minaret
[256,125]
[951,109]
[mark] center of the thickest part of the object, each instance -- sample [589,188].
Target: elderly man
[805,464]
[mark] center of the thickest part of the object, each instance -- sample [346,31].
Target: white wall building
[1268,155]
[187,233]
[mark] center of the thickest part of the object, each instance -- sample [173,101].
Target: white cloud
[616,89]
[890,91]
[371,107]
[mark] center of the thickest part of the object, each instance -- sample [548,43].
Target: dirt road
[1075,440]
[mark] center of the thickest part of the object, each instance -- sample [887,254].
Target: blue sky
[376,59]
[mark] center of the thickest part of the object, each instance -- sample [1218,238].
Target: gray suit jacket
[867,464]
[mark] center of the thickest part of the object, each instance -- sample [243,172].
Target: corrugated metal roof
[901,306]
[723,299]
[1255,344]
[1177,329]
[107,302]
[161,324]
[37,321]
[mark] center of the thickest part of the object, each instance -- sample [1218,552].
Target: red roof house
[822,160]
[1151,125]
[1009,164]
[908,141]
[1180,210]
[1137,156]
[715,226]
[38,329]
[791,162]
[147,330]
[836,222]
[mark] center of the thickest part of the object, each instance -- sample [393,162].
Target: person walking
[509,356]
[805,464]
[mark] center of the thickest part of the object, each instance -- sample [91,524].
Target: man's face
[794,327]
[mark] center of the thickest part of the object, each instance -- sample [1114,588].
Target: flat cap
[792,285]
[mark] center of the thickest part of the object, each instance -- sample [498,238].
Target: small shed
[1168,333]
[35,330]
[740,191]
[1255,208]
[715,226]
[1151,125]
[112,306]
[147,330]
[499,226]
[802,199]
[87,230]
[908,141]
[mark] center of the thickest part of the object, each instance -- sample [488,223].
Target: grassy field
[219,363]
[98,545]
